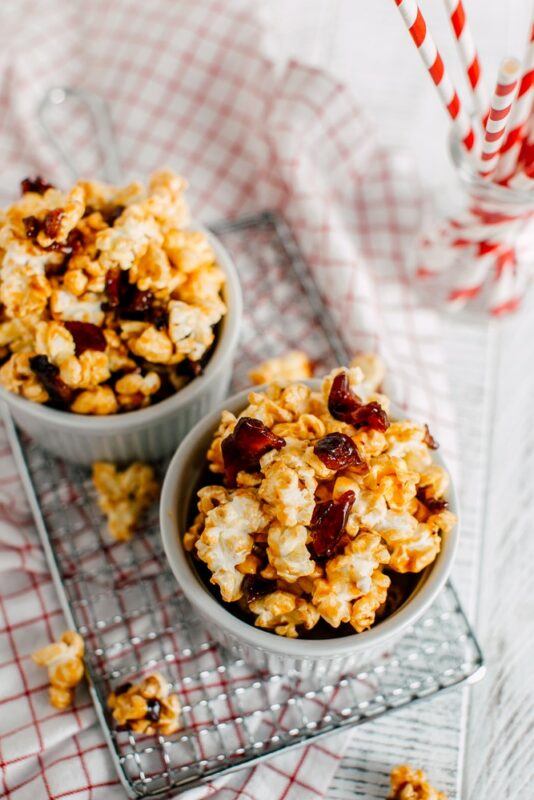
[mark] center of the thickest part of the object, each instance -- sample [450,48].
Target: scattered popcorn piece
[293,366]
[64,660]
[146,707]
[124,496]
[408,783]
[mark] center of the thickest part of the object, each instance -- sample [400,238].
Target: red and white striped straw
[501,105]
[526,156]
[519,117]
[523,180]
[469,56]
[432,60]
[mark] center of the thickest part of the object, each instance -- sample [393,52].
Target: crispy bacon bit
[37,185]
[131,302]
[429,440]
[86,336]
[338,451]
[371,415]
[111,214]
[57,270]
[342,402]
[242,449]
[32,226]
[346,406]
[254,586]
[159,317]
[136,303]
[52,223]
[328,523]
[432,503]
[48,374]
[75,241]
[113,287]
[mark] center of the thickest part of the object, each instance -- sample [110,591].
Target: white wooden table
[477,744]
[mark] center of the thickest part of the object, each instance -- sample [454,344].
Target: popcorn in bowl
[325,510]
[109,302]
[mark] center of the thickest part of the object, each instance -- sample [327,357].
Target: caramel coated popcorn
[408,783]
[108,302]
[146,707]
[324,502]
[123,496]
[293,366]
[64,660]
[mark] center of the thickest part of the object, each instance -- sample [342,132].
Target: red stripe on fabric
[505,308]
[454,106]
[465,294]
[473,72]
[437,69]
[418,29]
[424,272]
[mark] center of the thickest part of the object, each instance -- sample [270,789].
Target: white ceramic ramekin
[148,433]
[259,647]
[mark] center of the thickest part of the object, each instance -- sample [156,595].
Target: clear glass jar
[483,258]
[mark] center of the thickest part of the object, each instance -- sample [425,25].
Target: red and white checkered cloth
[190,85]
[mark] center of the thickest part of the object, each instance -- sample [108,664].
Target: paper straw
[501,105]
[415,22]
[526,154]
[519,116]
[523,180]
[468,56]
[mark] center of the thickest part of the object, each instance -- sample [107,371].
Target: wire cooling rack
[125,602]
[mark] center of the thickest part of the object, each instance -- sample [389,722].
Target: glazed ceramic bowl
[148,433]
[262,648]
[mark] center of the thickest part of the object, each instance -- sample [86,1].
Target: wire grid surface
[126,604]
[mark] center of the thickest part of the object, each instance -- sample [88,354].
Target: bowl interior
[180,485]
